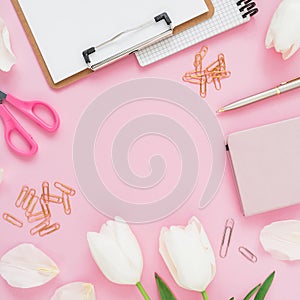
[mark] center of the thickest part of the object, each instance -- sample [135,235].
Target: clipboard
[78,75]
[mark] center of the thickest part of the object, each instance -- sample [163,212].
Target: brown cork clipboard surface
[87,71]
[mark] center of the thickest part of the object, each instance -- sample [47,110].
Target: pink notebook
[266,165]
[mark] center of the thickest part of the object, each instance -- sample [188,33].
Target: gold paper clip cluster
[213,73]
[37,208]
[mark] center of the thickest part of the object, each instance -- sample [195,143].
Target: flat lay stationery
[150,189]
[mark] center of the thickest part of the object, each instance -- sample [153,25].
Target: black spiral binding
[247,8]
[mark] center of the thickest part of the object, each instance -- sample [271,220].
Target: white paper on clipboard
[64,28]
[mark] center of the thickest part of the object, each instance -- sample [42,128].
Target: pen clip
[289,81]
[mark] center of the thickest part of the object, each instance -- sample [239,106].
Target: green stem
[204,295]
[142,290]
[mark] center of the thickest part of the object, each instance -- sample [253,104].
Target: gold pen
[283,87]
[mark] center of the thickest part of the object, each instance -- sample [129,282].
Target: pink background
[253,69]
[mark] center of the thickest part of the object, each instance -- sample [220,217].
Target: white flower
[283,33]
[282,239]
[75,291]
[26,266]
[188,254]
[117,252]
[7,58]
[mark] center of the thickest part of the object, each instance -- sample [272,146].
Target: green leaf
[262,292]
[231,298]
[164,291]
[252,292]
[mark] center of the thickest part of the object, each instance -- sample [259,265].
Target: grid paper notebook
[227,15]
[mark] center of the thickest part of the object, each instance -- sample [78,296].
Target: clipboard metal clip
[161,17]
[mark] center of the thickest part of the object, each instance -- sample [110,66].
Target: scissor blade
[2,96]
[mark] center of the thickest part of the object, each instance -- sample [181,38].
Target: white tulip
[7,57]
[188,254]
[283,33]
[117,252]
[75,291]
[282,239]
[26,266]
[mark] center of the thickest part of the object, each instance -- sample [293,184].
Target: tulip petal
[269,39]
[282,239]
[7,58]
[205,242]
[75,291]
[26,266]
[128,244]
[283,32]
[117,252]
[188,255]
[290,52]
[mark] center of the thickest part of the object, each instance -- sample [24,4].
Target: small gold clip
[203,87]
[31,206]
[64,188]
[45,190]
[28,199]
[49,229]
[35,217]
[229,225]
[248,254]
[55,199]
[34,230]
[66,203]
[22,196]
[12,220]
[45,207]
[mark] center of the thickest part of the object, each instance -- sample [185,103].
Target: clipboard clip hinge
[163,16]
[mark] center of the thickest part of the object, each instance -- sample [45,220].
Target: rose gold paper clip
[248,254]
[34,230]
[12,220]
[64,188]
[26,203]
[66,203]
[49,229]
[22,196]
[226,237]
[45,191]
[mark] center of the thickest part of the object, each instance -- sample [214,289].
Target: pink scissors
[12,125]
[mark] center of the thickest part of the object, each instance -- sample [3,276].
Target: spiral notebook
[228,14]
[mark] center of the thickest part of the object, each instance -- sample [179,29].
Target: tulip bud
[188,254]
[283,33]
[117,252]
[7,58]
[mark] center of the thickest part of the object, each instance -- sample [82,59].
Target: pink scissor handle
[27,107]
[12,125]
